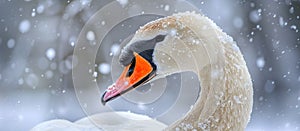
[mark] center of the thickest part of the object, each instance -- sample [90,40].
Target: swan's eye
[131,68]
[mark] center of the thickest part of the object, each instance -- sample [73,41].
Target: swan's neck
[225,100]
[195,43]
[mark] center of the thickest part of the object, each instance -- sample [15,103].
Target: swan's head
[156,50]
[138,59]
[139,67]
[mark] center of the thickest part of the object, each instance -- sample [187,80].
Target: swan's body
[117,121]
[192,42]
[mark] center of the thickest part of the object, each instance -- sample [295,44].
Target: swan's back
[110,121]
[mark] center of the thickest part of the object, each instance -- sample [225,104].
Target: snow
[291,10]
[203,126]
[235,47]
[72,43]
[50,53]
[90,35]
[251,40]
[27,70]
[85,2]
[269,86]
[261,98]
[237,99]
[282,23]
[24,26]
[95,74]
[49,74]
[238,22]
[72,40]
[258,27]
[294,27]
[85,105]
[284,76]
[32,80]
[123,2]
[259,11]
[194,41]
[215,74]
[260,62]
[115,49]
[134,10]
[252,4]
[270,69]
[287,124]
[11,43]
[167,8]
[65,66]
[20,117]
[40,9]
[141,106]
[173,32]
[255,16]
[33,13]
[104,68]
[21,81]
[103,22]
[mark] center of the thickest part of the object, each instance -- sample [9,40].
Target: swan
[188,42]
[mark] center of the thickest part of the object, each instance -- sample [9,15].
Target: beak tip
[102,99]
[103,103]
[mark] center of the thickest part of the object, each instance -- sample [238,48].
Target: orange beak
[133,75]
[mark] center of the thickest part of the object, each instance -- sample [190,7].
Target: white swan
[189,42]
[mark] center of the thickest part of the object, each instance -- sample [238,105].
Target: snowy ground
[38,37]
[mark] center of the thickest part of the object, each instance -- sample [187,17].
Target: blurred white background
[38,37]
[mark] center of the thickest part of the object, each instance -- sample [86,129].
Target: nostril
[130,71]
[131,68]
